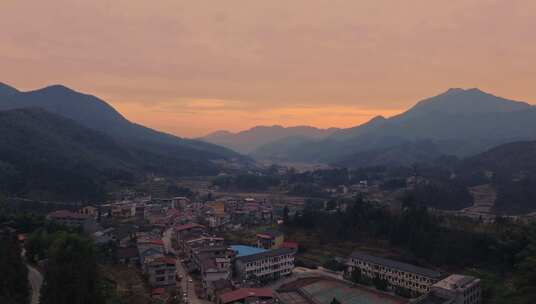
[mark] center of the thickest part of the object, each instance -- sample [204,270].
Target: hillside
[459,122]
[512,168]
[405,154]
[98,115]
[46,156]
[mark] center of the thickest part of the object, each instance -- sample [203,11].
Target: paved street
[36,280]
[188,287]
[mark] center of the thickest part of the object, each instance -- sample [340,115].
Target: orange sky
[191,67]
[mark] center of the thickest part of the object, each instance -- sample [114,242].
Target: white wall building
[397,274]
[458,289]
[265,266]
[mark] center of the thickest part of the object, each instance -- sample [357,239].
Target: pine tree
[14,288]
[71,272]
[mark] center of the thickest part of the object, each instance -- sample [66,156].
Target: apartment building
[397,274]
[161,271]
[270,239]
[265,266]
[71,219]
[455,289]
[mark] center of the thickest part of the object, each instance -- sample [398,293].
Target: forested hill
[47,156]
[96,114]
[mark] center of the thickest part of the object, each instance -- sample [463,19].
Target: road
[36,280]
[186,285]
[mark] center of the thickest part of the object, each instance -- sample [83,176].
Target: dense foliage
[71,272]
[14,287]
[506,249]
[246,182]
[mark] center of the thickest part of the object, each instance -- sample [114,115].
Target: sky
[191,67]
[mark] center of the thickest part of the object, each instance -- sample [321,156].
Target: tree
[71,272]
[285,215]
[380,284]
[356,276]
[335,301]
[14,287]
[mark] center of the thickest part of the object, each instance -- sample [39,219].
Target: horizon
[191,68]
[268,125]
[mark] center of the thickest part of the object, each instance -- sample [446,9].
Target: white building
[265,266]
[161,271]
[397,274]
[458,289]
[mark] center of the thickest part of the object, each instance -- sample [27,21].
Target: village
[183,250]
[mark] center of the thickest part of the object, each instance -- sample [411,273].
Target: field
[324,291]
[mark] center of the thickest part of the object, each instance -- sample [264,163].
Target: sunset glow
[192,67]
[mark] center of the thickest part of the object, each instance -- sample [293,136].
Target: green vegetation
[505,250]
[14,287]
[335,301]
[246,182]
[71,272]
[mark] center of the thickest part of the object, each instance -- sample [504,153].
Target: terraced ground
[484,197]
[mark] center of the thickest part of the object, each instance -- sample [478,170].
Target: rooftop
[266,254]
[269,234]
[243,293]
[187,226]
[395,264]
[243,250]
[455,281]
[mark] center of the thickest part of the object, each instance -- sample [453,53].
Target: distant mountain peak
[464,101]
[454,91]
[378,118]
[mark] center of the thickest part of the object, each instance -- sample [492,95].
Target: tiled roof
[292,245]
[187,226]
[243,293]
[395,264]
[270,233]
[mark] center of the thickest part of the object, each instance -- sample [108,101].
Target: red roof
[157,242]
[158,291]
[188,226]
[165,260]
[243,293]
[291,245]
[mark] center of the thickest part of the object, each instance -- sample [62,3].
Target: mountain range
[459,122]
[251,140]
[61,144]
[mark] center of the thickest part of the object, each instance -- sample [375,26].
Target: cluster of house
[435,288]
[225,269]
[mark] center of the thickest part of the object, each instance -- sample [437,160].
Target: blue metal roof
[243,250]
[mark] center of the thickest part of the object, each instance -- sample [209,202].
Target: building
[454,289]
[265,266]
[397,274]
[190,228]
[161,271]
[128,255]
[246,295]
[270,239]
[89,211]
[71,219]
